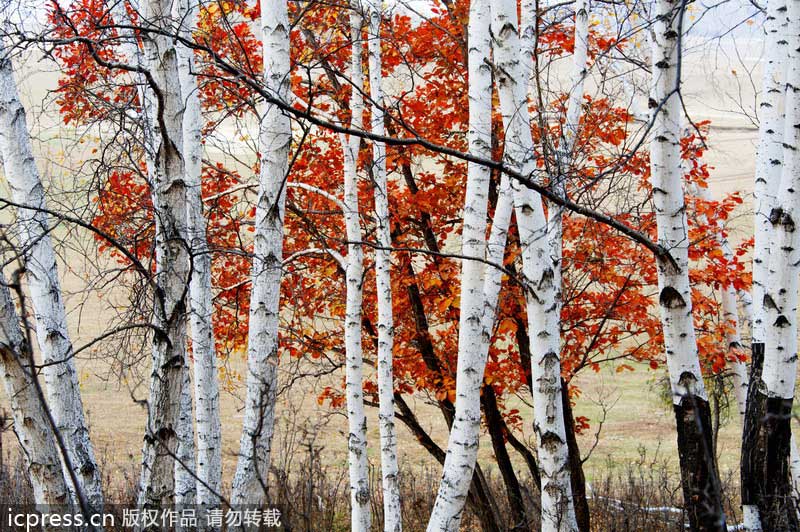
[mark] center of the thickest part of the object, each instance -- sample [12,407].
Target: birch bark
[769,162]
[30,421]
[157,484]
[206,384]
[463,442]
[383,266]
[275,136]
[60,374]
[354,278]
[538,267]
[699,476]
[775,392]
[185,476]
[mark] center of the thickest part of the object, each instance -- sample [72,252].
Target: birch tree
[275,137]
[769,162]
[168,191]
[206,383]
[699,476]
[539,266]
[31,425]
[772,396]
[463,442]
[60,374]
[389,468]
[354,277]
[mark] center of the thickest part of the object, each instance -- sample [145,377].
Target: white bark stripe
[360,517]
[769,155]
[157,483]
[275,136]
[60,374]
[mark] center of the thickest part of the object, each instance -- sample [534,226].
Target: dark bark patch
[671,298]
[766,474]
[699,478]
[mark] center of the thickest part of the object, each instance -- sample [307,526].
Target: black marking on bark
[769,303]
[782,322]
[671,298]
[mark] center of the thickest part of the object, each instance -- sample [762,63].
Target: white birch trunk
[667,178]
[733,339]
[60,374]
[538,267]
[769,161]
[360,515]
[780,294]
[275,136]
[700,480]
[569,132]
[383,265]
[780,291]
[157,484]
[31,425]
[462,445]
[769,155]
[206,383]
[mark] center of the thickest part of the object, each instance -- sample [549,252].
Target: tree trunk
[776,390]
[157,484]
[354,277]
[479,497]
[31,425]
[275,134]
[700,481]
[383,266]
[185,476]
[60,374]
[769,160]
[206,382]
[496,428]
[538,269]
[576,476]
[463,441]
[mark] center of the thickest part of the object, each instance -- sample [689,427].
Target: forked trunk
[538,268]
[772,397]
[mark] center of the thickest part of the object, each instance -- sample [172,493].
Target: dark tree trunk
[576,476]
[766,474]
[699,478]
[497,432]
